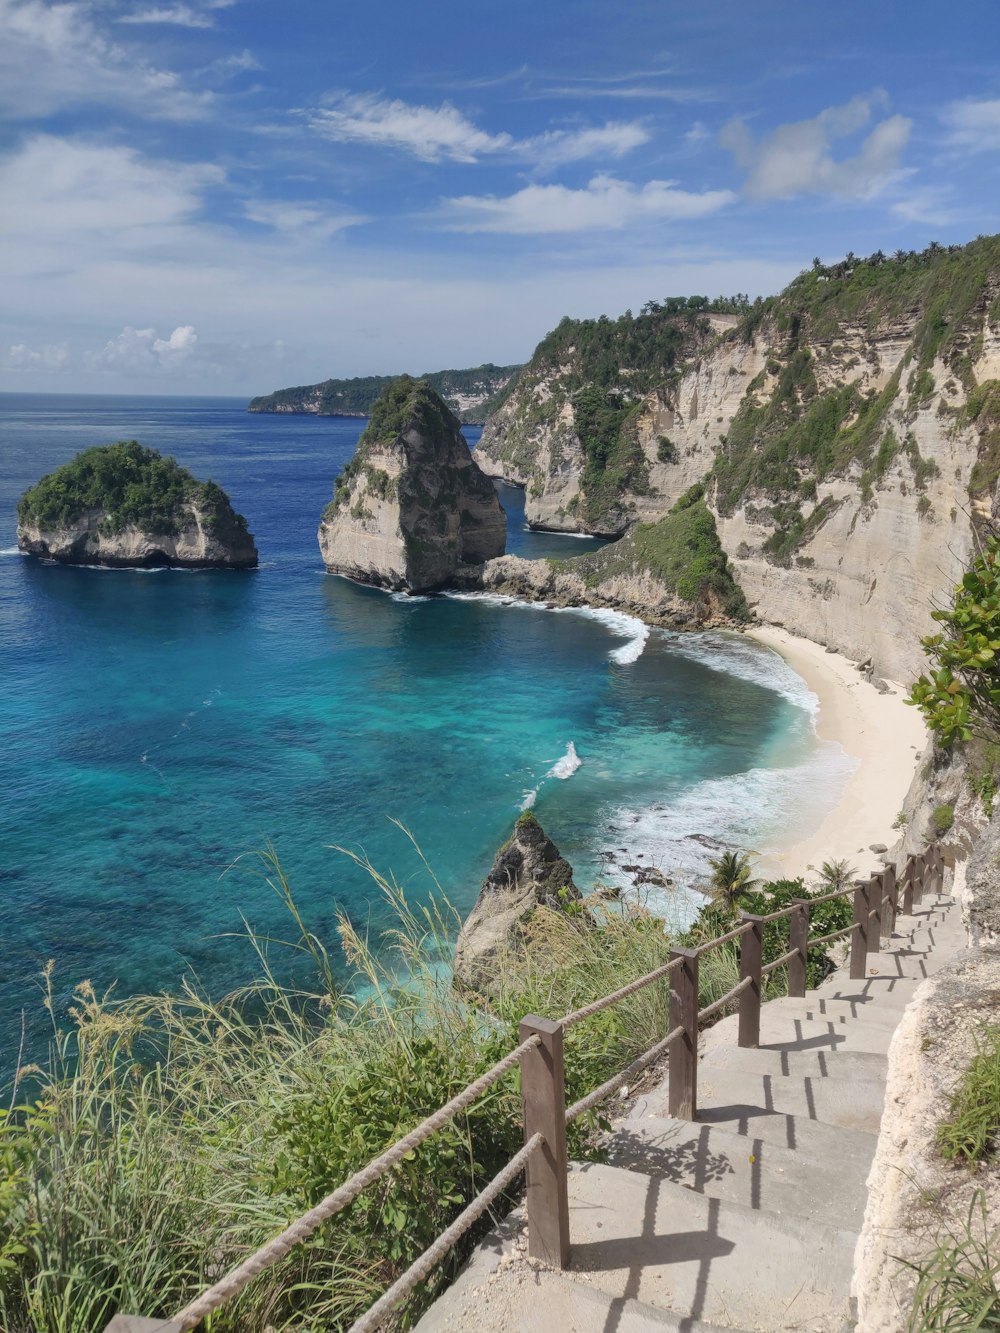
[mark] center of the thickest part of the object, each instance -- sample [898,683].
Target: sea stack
[528,873]
[122,505]
[411,508]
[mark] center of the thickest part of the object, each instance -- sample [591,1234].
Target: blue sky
[228,196]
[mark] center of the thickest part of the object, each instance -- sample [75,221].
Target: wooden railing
[539,1056]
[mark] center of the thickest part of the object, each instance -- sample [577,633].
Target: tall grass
[958,1284]
[167,1136]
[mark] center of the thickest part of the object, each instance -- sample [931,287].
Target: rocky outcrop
[121,505]
[528,873]
[847,432]
[411,509]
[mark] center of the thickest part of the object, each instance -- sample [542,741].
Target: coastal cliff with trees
[124,505]
[845,433]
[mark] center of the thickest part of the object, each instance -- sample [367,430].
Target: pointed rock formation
[411,508]
[123,505]
[528,873]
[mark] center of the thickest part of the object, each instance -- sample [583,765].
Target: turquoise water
[158,727]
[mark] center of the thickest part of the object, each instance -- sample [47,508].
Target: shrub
[969,1134]
[942,818]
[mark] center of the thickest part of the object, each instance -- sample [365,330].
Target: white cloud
[53,57]
[72,191]
[182,16]
[51,357]
[798,158]
[557,147]
[238,63]
[138,351]
[973,124]
[301,220]
[430,133]
[605,204]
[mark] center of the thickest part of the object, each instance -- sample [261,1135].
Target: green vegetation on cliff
[682,551]
[134,486]
[356,397]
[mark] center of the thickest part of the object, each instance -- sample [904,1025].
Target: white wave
[739,655]
[12,550]
[566,766]
[548,532]
[408,597]
[529,798]
[618,622]
[762,810]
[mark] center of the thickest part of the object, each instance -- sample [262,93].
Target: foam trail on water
[567,765]
[738,655]
[12,550]
[618,622]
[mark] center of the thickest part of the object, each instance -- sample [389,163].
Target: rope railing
[423,1267]
[539,1057]
[237,1278]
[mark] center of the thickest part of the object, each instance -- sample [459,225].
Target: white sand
[882,732]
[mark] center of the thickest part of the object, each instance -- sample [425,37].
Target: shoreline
[883,733]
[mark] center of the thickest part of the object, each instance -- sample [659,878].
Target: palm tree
[834,876]
[732,879]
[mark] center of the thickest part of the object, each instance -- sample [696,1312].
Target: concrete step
[703,1258]
[816,1138]
[791,1063]
[854,1105]
[788,1029]
[713,1160]
[520,1297]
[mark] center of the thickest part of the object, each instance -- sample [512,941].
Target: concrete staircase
[747,1218]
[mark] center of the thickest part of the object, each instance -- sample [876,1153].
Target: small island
[411,509]
[125,506]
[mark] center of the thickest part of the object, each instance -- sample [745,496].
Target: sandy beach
[881,731]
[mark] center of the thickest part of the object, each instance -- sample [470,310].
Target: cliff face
[847,434]
[123,505]
[194,545]
[411,508]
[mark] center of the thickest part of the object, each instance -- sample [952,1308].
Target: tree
[961,693]
[834,876]
[732,879]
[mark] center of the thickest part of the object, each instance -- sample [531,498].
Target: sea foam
[631,628]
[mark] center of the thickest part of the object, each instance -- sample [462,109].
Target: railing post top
[679,951]
[545,1027]
[751,916]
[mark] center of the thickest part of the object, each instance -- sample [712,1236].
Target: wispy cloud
[429,133]
[558,147]
[182,16]
[53,57]
[605,204]
[308,221]
[973,124]
[797,158]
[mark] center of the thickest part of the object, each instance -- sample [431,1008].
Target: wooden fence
[539,1056]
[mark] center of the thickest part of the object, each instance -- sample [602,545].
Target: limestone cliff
[847,434]
[411,509]
[528,873]
[123,505]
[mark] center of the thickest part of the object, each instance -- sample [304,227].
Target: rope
[834,935]
[723,1000]
[589,1010]
[237,1278]
[594,1098]
[724,939]
[423,1266]
[779,962]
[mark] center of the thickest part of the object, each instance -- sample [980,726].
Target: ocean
[160,728]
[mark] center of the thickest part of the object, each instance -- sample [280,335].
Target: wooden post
[751,958]
[859,936]
[875,903]
[543,1104]
[938,881]
[682,1091]
[798,939]
[909,876]
[919,877]
[890,895]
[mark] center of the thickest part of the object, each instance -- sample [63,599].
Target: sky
[232,196]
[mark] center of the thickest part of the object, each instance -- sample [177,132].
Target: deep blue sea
[158,728]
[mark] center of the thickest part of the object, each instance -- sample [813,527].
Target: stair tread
[716,1161]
